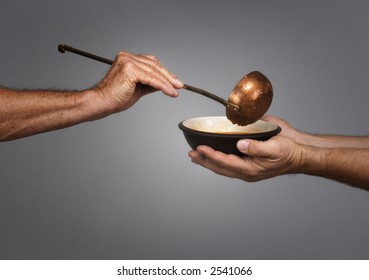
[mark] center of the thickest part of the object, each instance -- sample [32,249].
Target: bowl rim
[269,133]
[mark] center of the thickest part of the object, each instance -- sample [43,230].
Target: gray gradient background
[124,188]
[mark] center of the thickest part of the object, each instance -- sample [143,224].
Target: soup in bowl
[222,135]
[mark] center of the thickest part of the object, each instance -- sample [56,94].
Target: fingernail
[174,92]
[243,145]
[179,82]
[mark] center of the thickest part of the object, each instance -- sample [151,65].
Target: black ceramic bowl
[220,134]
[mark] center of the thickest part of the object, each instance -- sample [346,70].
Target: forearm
[346,165]
[25,113]
[333,141]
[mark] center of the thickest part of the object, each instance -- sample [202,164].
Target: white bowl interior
[222,125]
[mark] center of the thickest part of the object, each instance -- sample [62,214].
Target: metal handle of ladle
[229,105]
[63,48]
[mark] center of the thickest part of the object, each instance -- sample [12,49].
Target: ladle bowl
[253,94]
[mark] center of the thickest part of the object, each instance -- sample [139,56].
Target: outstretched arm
[24,113]
[319,140]
[346,165]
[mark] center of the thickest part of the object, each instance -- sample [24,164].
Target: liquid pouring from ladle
[237,114]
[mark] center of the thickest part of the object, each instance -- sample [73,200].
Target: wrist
[312,160]
[94,105]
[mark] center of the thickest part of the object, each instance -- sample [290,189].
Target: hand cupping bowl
[220,134]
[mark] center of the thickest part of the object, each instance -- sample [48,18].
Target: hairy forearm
[25,113]
[333,141]
[346,165]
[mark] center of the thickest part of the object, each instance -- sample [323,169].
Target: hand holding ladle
[248,102]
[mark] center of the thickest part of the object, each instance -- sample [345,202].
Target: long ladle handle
[229,105]
[63,48]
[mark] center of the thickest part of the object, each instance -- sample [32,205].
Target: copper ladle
[253,94]
[248,102]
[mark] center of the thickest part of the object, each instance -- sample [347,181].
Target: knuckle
[128,66]
[152,70]
[154,67]
[153,57]
[151,76]
[122,54]
[157,64]
[121,57]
